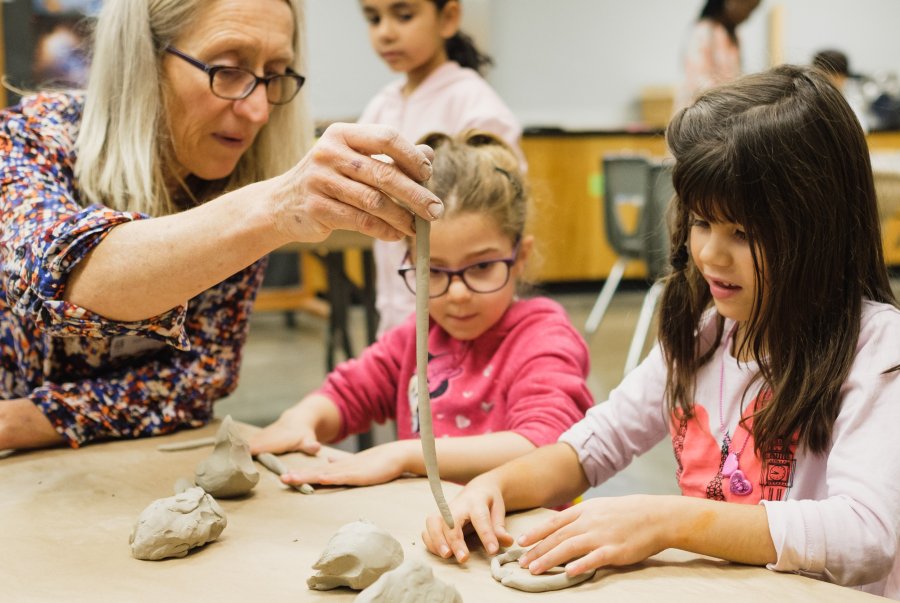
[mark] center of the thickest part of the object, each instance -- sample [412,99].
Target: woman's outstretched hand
[339,185]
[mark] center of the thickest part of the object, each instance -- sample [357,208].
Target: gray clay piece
[357,555]
[170,527]
[229,471]
[412,582]
[506,570]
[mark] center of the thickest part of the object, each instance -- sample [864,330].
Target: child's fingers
[279,440]
[267,443]
[542,531]
[310,446]
[599,557]
[310,476]
[560,546]
[484,527]
[436,538]
[498,518]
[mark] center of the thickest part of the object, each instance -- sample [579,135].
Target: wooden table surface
[66,515]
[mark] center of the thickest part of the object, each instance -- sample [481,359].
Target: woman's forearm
[146,267]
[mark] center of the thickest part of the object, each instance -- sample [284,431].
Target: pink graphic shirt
[525,374]
[833,516]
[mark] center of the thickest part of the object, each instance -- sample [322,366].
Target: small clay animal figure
[170,527]
[357,555]
[412,582]
[506,571]
[229,471]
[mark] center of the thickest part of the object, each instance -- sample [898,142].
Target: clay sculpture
[170,527]
[412,582]
[229,471]
[356,556]
[506,570]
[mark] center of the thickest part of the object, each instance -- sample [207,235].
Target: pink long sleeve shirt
[833,516]
[526,374]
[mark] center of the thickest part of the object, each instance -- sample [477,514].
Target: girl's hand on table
[284,436]
[376,465]
[596,533]
[480,507]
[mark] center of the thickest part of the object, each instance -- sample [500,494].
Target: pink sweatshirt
[526,374]
[452,99]
[834,516]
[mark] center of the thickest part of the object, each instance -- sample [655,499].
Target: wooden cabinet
[889,141]
[564,171]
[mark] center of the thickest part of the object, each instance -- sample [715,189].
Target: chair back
[657,245]
[625,194]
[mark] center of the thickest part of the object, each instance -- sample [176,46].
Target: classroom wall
[581,64]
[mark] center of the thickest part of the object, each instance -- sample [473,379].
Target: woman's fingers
[412,160]
[339,185]
[398,177]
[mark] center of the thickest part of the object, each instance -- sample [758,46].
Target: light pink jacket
[711,58]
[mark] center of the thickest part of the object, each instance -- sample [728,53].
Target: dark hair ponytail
[461,48]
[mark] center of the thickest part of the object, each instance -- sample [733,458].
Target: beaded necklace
[731,467]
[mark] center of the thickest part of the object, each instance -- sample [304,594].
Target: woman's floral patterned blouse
[92,377]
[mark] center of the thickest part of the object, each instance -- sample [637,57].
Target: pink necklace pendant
[730,465]
[740,485]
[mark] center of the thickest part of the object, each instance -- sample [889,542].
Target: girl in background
[506,375]
[777,373]
[443,91]
[713,53]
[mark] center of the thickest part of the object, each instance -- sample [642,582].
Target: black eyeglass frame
[510,262]
[212,70]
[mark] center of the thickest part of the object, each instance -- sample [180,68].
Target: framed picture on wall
[45,43]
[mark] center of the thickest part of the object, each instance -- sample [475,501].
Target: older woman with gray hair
[134,215]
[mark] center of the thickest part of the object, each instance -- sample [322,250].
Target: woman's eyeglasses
[481,277]
[235,83]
